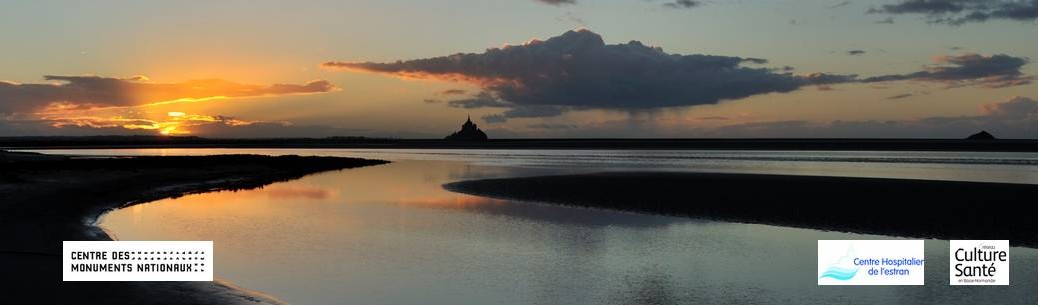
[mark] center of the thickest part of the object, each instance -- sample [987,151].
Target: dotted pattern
[196,258]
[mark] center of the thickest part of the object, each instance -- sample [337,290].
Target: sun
[169,130]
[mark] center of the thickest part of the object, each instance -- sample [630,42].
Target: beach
[48,199]
[894,207]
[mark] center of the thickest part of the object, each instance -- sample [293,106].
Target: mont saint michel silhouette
[468,132]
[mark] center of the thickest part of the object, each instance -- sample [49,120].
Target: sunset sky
[526,68]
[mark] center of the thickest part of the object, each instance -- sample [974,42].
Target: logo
[870,262]
[137,260]
[842,269]
[978,262]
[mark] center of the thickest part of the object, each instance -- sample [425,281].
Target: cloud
[888,20]
[91,92]
[899,96]
[558,2]
[959,12]
[175,123]
[78,105]
[970,69]
[452,92]
[839,4]
[994,71]
[679,4]
[480,100]
[925,7]
[524,111]
[572,18]
[676,4]
[551,126]
[218,126]
[856,52]
[577,70]
[274,130]
[818,78]
[1018,107]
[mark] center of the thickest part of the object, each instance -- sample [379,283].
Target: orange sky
[259,69]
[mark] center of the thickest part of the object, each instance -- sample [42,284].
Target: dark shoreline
[897,207]
[97,142]
[48,199]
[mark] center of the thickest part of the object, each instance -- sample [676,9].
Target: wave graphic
[838,273]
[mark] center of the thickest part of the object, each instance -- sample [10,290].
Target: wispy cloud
[959,12]
[839,4]
[899,96]
[993,71]
[452,92]
[557,2]
[682,4]
[480,100]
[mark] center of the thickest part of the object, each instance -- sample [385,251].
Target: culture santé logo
[979,262]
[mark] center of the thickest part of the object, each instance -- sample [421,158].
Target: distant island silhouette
[982,135]
[469,132]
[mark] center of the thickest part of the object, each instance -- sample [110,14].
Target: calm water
[390,235]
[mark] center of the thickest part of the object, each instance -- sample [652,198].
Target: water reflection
[1004,167]
[302,192]
[391,235]
[573,215]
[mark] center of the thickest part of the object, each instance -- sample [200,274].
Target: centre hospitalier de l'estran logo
[870,262]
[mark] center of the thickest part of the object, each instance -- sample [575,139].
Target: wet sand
[896,207]
[48,199]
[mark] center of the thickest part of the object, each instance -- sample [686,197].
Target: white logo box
[978,262]
[871,262]
[137,260]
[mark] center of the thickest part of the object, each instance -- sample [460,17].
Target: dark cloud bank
[959,12]
[223,127]
[85,92]
[62,107]
[577,70]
